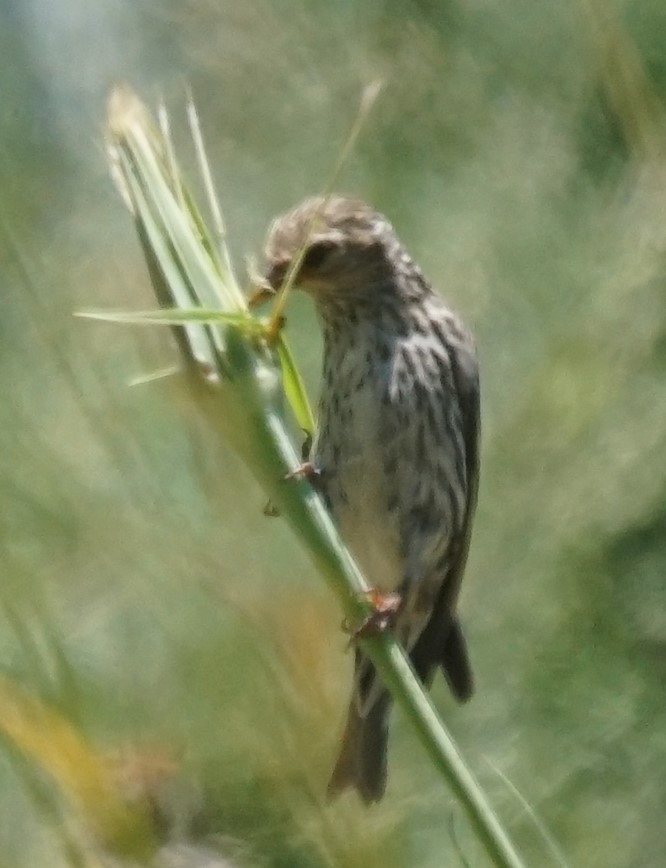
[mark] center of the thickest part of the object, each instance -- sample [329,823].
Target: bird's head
[343,242]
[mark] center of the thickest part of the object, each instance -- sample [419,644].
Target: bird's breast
[348,450]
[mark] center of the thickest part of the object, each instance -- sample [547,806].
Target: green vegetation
[149,603]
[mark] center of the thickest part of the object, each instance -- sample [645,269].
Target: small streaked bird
[396,447]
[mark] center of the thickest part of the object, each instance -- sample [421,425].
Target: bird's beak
[276,274]
[265,287]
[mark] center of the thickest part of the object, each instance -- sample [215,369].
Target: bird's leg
[305,469]
[385,608]
[306,447]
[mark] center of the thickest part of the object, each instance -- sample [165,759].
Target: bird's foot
[385,607]
[306,470]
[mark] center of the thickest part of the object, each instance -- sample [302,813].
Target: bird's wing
[429,429]
[465,369]
[432,413]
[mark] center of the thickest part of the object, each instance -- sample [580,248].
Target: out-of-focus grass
[131,534]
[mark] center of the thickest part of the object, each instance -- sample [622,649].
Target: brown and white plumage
[397,444]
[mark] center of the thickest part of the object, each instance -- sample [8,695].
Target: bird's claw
[308,471]
[271,510]
[385,607]
[305,470]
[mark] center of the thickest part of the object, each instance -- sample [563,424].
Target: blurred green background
[519,147]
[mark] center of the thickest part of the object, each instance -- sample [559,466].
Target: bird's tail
[361,763]
[362,760]
[455,663]
[442,644]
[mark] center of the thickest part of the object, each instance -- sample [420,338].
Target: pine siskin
[397,445]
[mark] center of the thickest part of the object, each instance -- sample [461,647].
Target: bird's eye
[317,253]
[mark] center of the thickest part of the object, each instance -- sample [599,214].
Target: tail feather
[362,760]
[442,643]
[456,665]
[361,763]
